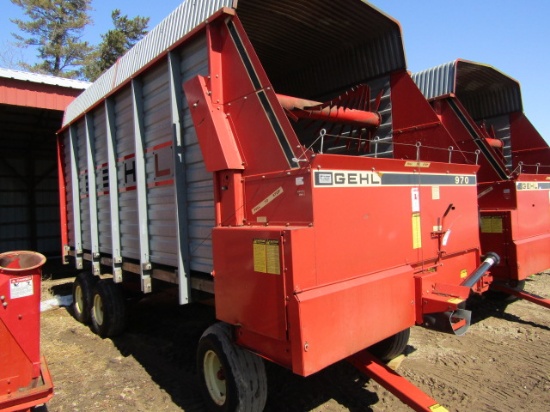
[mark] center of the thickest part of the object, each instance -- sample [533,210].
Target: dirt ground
[501,364]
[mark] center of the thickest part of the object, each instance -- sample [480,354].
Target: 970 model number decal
[353,178]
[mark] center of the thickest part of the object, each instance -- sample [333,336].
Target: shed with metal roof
[31,111]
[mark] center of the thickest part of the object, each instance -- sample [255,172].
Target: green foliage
[116,42]
[56,28]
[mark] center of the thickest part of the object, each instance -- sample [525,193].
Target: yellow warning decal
[266,256]
[491,224]
[260,252]
[455,301]
[463,273]
[416,231]
[438,408]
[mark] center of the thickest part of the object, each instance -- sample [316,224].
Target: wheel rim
[98,310]
[79,299]
[214,377]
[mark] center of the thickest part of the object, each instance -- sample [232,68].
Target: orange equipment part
[309,109]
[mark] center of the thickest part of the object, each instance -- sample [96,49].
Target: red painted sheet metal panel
[465,144]
[532,255]
[533,212]
[261,274]
[330,323]
[350,275]
[262,129]
[213,129]
[520,257]
[241,102]
[498,195]
[528,146]
[420,124]
[249,279]
[37,394]
[398,219]
[20,275]
[38,95]
[279,199]
[62,197]
[515,224]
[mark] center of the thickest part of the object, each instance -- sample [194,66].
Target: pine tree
[116,42]
[56,28]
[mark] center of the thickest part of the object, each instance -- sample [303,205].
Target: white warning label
[21,287]
[267,200]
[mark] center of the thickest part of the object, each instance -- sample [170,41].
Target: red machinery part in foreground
[24,377]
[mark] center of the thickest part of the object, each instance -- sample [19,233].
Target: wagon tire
[108,311]
[83,287]
[230,377]
[391,347]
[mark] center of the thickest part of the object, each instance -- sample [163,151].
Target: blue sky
[512,36]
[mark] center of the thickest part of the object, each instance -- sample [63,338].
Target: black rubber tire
[108,311]
[242,373]
[391,347]
[83,287]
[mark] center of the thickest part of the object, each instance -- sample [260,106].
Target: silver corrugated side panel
[83,185]
[102,180]
[125,153]
[153,116]
[159,165]
[482,89]
[199,182]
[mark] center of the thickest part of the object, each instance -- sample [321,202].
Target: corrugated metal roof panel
[43,79]
[316,46]
[436,81]
[310,47]
[482,89]
[181,21]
